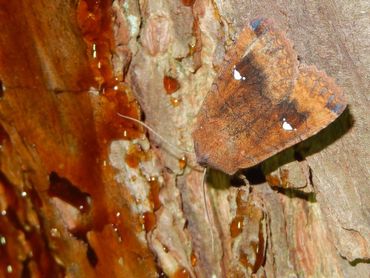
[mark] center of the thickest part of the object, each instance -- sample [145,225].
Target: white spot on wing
[237,75]
[287,126]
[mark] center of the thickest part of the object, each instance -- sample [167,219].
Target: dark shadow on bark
[312,145]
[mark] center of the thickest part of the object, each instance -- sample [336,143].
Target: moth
[262,101]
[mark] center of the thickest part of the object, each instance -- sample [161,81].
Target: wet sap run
[244,213]
[113,96]
[79,183]
[95,21]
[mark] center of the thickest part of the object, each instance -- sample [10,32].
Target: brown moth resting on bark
[261,102]
[87,193]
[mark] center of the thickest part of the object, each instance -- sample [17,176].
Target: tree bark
[85,192]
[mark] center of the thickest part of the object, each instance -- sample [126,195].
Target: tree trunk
[85,192]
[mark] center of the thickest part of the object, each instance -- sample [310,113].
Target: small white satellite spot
[287,126]
[237,75]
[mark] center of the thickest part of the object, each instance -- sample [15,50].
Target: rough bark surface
[85,193]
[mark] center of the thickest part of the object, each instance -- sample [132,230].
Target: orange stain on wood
[188,3]
[135,155]
[243,259]
[236,226]
[273,180]
[193,259]
[182,163]
[150,221]
[284,175]
[175,101]
[259,250]
[154,193]
[170,84]
[181,273]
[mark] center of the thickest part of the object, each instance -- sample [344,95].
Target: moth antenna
[155,133]
[206,209]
